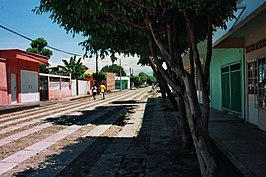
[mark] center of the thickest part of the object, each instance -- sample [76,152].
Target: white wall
[83,87]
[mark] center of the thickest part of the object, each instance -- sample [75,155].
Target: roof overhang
[235,37]
[27,56]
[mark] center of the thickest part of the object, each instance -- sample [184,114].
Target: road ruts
[40,111]
[84,120]
[24,120]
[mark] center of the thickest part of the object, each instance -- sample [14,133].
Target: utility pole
[120,74]
[96,63]
[96,68]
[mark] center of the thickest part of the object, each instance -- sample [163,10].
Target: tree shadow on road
[113,155]
[97,116]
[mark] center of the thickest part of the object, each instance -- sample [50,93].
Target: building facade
[122,82]
[238,67]
[19,76]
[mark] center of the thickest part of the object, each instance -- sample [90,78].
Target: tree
[151,79]
[162,30]
[99,77]
[143,77]
[114,68]
[136,80]
[73,67]
[38,46]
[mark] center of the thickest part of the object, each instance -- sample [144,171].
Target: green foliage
[44,68]
[39,43]
[46,52]
[38,46]
[119,26]
[151,79]
[136,80]
[87,75]
[73,67]
[143,77]
[114,69]
[99,76]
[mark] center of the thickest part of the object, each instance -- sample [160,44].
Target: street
[130,133]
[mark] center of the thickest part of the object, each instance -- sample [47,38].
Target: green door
[231,88]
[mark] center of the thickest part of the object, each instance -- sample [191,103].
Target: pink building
[19,76]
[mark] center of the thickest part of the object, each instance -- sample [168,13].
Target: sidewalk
[243,143]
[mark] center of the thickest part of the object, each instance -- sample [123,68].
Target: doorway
[231,88]
[13,88]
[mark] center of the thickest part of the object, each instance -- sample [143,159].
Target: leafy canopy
[73,67]
[114,68]
[99,76]
[38,46]
[119,26]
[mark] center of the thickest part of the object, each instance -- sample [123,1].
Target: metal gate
[43,88]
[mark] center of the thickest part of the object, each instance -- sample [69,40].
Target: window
[257,81]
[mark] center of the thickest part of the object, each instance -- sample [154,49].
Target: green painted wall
[124,84]
[220,58]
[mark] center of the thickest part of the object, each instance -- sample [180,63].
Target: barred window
[257,81]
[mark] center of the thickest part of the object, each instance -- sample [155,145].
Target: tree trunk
[167,90]
[186,135]
[162,88]
[183,123]
[195,118]
[198,131]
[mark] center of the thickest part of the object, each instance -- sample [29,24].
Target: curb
[241,168]
[19,108]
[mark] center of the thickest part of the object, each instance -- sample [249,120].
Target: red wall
[13,62]
[3,83]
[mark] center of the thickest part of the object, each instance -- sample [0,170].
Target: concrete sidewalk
[243,143]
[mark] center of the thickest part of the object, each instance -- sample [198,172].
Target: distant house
[19,76]
[109,82]
[122,82]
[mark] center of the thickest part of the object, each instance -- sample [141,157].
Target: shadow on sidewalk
[152,152]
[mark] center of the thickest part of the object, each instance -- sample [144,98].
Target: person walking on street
[94,91]
[103,89]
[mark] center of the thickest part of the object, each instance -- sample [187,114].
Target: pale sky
[17,16]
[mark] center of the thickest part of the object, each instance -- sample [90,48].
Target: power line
[25,37]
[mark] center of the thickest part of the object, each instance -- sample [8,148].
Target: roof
[89,71]
[24,55]
[246,11]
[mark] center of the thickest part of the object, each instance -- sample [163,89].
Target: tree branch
[209,51]
[193,45]
[168,57]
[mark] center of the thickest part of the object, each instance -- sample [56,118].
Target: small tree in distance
[114,68]
[99,77]
[38,46]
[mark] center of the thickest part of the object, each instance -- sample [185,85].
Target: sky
[17,15]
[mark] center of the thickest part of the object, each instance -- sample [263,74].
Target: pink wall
[60,93]
[12,62]
[3,83]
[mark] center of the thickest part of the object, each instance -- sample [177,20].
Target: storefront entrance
[231,88]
